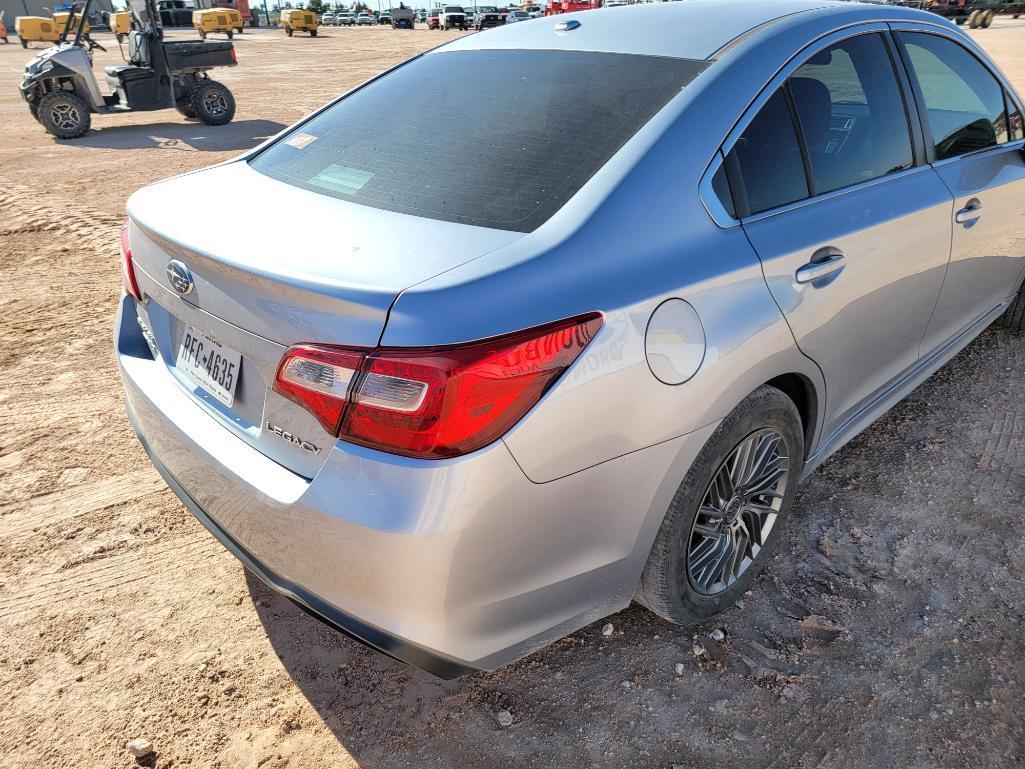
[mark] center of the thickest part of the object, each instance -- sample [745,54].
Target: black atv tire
[238,31]
[1014,315]
[667,586]
[33,110]
[64,115]
[313,33]
[987,19]
[185,108]
[288,31]
[24,42]
[230,34]
[213,103]
[202,34]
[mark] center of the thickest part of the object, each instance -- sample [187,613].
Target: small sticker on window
[300,140]
[342,179]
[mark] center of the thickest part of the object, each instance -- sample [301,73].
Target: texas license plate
[209,364]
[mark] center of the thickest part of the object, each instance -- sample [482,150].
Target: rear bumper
[449,565]
[350,626]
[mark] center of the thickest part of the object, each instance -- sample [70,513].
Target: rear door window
[851,114]
[766,160]
[508,159]
[964,103]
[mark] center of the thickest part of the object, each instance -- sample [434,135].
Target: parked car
[487,16]
[516,15]
[329,20]
[346,19]
[495,414]
[434,18]
[535,11]
[366,20]
[454,17]
[384,18]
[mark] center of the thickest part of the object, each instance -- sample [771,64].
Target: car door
[973,134]
[851,225]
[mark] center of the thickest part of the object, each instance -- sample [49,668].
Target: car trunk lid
[265,266]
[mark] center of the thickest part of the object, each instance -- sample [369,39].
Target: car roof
[692,29]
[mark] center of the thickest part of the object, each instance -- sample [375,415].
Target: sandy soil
[889,633]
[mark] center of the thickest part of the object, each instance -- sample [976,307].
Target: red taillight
[234,56]
[319,380]
[436,402]
[127,270]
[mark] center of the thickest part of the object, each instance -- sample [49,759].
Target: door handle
[970,213]
[823,262]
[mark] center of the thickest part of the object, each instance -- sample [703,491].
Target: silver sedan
[461,405]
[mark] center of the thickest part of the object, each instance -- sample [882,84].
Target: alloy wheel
[215,104]
[738,510]
[65,116]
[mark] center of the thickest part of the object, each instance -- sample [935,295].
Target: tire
[959,21]
[213,103]
[185,108]
[202,34]
[1014,315]
[64,115]
[288,31]
[313,33]
[765,419]
[231,34]
[24,43]
[973,20]
[33,110]
[239,31]
[987,19]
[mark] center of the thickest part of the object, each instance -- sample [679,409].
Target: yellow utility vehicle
[298,20]
[36,29]
[61,18]
[120,24]
[226,20]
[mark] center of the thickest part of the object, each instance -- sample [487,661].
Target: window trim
[979,56]
[912,116]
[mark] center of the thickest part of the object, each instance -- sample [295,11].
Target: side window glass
[721,188]
[851,114]
[1014,121]
[768,159]
[964,103]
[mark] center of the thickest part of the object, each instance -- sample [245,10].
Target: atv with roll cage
[62,92]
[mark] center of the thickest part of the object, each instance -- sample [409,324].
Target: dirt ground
[889,633]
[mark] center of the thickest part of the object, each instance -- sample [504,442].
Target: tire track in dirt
[48,510]
[29,210]
[165,560]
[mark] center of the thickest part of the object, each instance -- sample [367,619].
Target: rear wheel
[231,34]
[202,33]
[239,30]
[313,33]
[987,19]
[64,115]
[724,521]
[1014,315]
[288,31]
[213,103]
[973,19]
[24,42]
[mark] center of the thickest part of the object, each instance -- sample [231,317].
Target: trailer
[976,14]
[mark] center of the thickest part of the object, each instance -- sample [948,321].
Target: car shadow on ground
[191,135]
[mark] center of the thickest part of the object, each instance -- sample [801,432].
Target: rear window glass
[509,158]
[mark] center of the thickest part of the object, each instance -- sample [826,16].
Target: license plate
[209,364]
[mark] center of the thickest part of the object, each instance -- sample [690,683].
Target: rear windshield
[508,158]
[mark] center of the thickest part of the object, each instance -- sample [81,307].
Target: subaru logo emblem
[180,277]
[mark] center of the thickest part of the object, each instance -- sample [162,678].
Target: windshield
[508,159]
